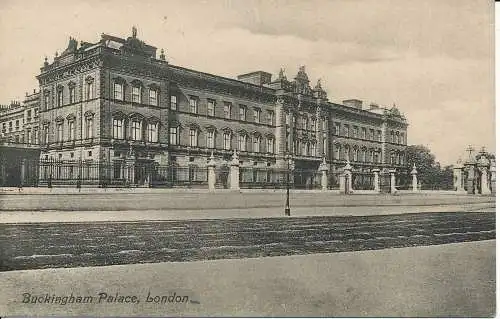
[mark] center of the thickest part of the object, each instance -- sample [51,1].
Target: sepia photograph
[261,158]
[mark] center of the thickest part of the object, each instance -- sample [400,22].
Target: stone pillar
[471,169]
[458,178]
[23,172]
[211,173]
[485,187]
[393,181]
[130,170]
[323,168]
[376,181]
[234,173]
[414,182]
[347,178]
[493,176]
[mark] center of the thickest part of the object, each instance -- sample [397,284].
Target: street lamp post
[287,204]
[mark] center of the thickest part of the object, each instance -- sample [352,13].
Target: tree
[429,172]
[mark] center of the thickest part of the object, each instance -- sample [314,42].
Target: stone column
[211,173]
[323,168]
[493,176]
[23,172]
[470,167]
[347,176]
[414,182]
[234,173]
[458,179]
[376,181]
[393,181]
[485,187]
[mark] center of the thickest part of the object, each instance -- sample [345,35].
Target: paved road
[49,245]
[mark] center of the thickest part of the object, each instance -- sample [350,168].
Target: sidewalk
[401,282]
[250,212]
[145,190]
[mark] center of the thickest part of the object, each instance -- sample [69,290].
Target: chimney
[374,106]
[355,103]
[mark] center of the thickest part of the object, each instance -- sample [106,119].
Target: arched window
[242,141]
[193,136]
[210,138]
[226,137]
[270,144]
[89,88]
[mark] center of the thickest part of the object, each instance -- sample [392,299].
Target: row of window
[137,93]
[10,127]
[243,110]
[137,129]
[31,137]
[303,122]
[357,155]
[71,98]
[357,132]
[227,139]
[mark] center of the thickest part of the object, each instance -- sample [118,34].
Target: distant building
[115,102]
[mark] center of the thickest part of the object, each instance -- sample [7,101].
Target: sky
[433,59]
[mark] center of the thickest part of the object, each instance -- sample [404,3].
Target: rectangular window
[35,136]
[256,144]
[324,124]
[336,130]
[71,129]
[17,125]
[152,129]
[46,134]
[270,145]
[173,102]
[28,115]
[305,148]
[89,90]
[243,113]
[174,136]
[210,107]
[346,130]
[227,140]
[136,94]
[363,133]
[256,115]
[304,123]
[242,142]
[193,105]
[118,91]
[72,95]
[355,131]
[89,127]
[287,119]
[193,137]
[153,97]
[211,139]
[313,124]
[136,130]
[47,100]
[270,117]
[372,134]
[402,138]
[118,128]
[227,110]
[59,132]
[379,135]
[60,100]
[313,149]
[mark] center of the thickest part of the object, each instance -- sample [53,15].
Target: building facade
[115,102]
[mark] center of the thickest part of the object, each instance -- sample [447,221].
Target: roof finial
[134,32]
[162,55]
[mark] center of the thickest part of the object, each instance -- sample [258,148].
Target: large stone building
[115,102]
